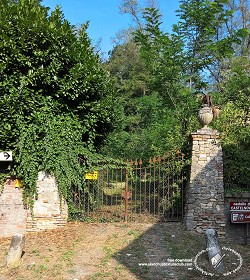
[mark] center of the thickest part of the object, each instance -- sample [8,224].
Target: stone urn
[205,115]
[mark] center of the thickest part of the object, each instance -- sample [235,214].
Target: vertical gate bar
[126,197]
[112,180]
[84,201]
[102,188]
[116,187]
[121,187]
[174,160]
[177,185]
[168,203]
[154,185]
[105,193]
[145,189]
[182,187]
[136,180]
[140,174]
[94,196]
[149,186]
[165,187]
[130,188]
[87,199]
[98,190]
[159,185]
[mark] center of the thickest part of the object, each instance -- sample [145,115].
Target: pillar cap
[206,131]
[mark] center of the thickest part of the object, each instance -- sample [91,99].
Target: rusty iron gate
[134,191]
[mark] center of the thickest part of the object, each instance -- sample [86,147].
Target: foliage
[158,78]
[156,111]
[56,98]
[234,124]
[200,27]
[59,106]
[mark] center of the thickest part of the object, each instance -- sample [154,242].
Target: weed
[39,269]
[35,252]
[134,232]
[71,271]
[46,259]
[68,256]
[100,275]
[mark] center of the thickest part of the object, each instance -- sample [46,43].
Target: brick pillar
[13,216]
[205,194]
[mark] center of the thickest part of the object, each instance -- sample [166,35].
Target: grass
[67,257]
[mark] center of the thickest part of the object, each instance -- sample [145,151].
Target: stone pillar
[205,194]
[49,211]
[13,216]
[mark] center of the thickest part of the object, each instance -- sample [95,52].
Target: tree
[200,26]
[56,98]
[156,108]
[234,123]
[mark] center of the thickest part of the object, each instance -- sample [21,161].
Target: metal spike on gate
[150,160]
[136,162]
[159,159]
[154,158]
[140,162]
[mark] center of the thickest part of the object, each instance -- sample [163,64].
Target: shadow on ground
[152,254]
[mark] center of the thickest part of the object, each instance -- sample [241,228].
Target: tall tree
[200,25]
[154,106]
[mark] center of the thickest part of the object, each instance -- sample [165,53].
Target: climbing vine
[56,99]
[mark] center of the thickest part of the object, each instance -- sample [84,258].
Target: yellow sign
[18,183]
[91,175]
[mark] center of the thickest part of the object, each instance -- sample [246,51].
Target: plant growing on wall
[56,99]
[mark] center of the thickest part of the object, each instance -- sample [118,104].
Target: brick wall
[13,216]
[49,211]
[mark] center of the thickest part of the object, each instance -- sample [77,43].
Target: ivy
[56,98]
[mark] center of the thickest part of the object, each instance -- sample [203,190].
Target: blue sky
[105,19]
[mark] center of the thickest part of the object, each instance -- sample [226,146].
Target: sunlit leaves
[56,98]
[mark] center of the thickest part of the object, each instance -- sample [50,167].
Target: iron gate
[133,191]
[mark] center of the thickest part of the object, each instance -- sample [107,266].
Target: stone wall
[205,194]
[236,232]
[13,216]
[48,211]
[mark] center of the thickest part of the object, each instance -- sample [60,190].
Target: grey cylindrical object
[214,251]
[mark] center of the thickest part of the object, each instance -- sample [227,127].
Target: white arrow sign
[5,156]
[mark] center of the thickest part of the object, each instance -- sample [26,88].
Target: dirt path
[119,252]
[109,251]
[157,253]
[90,251]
